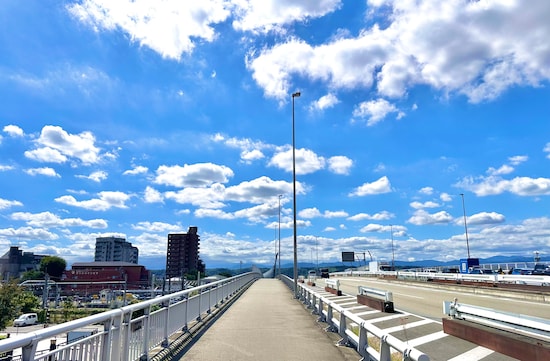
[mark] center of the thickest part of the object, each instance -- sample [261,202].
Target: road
[428,302]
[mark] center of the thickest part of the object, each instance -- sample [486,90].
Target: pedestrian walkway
[266,323]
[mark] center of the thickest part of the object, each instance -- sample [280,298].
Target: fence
[130,332]
[354,330]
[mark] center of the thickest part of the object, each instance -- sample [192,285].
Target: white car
[26,319]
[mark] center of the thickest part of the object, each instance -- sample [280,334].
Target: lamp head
[295,95]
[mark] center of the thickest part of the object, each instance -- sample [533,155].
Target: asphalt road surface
[419,299]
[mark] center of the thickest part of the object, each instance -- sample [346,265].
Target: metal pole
[280,196]
[392,251]
[465,226]
[294,95]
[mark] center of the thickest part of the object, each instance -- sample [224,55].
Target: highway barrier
[516,335]
[375,298]
[353,330]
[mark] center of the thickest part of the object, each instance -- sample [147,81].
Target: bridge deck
[266,323]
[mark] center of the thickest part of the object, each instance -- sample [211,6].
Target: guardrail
[354,330]
[130,332]
[458,277]
[526,337]
[530,325]
[333,286]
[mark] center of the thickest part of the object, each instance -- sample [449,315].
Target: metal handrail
[121,337]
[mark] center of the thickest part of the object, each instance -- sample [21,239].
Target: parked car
[324,273]
[311,274]
[520,271]
[26,319]
[541,269]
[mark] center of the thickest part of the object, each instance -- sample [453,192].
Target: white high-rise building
[115,249]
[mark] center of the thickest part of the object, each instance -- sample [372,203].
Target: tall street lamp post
[280,196]
[392,250]
[465,226]
[294,95]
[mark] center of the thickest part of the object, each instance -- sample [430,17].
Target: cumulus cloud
[421,218]
[106,201]
[374,111]
[136,170]
[485,218]
[151,195]
[475,48]
[340,164]
[419,205]
[50,220]
[492,185]
[55,145]
[380,186]
[307,161]
[193,175]
[269,15]
[170,28]
[324,102]
[380,216]
[48,172]
[5,204]
[13,130]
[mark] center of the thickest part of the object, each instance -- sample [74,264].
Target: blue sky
[141,118]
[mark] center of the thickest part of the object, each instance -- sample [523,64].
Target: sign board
[348,256]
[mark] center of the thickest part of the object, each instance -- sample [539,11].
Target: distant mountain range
[424,263]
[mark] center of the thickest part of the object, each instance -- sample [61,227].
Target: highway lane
[419,299]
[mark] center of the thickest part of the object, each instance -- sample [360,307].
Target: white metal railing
[533,326]
[353,329]
[420,275]
[388,295]
[130,332]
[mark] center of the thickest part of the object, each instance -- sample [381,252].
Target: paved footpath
[266,323]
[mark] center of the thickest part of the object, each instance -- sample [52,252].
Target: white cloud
[194,175]
[492,185]
[106,200]
[380,216]
[426,190]
[419,205]
[445,197]
[306,161]
[424,43]
[421,217]
[374,111]
[60,144]
[505,169]
[136,170]
[158,227]
[485,218]
[13,130]
[340,164]
[50,220]
[324,102]
[46,155]
[5,204]
[518,159]
[169,27]
[49,172]
[547,150]
[97,176]
[268,15]
[380,186]
[151,195]
[315,213]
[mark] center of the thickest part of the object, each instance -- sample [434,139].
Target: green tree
[32,275]
[53,266]
[14,301]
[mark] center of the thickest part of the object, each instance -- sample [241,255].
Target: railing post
[342,330]
[111,337]
[385,354]
[363,342]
